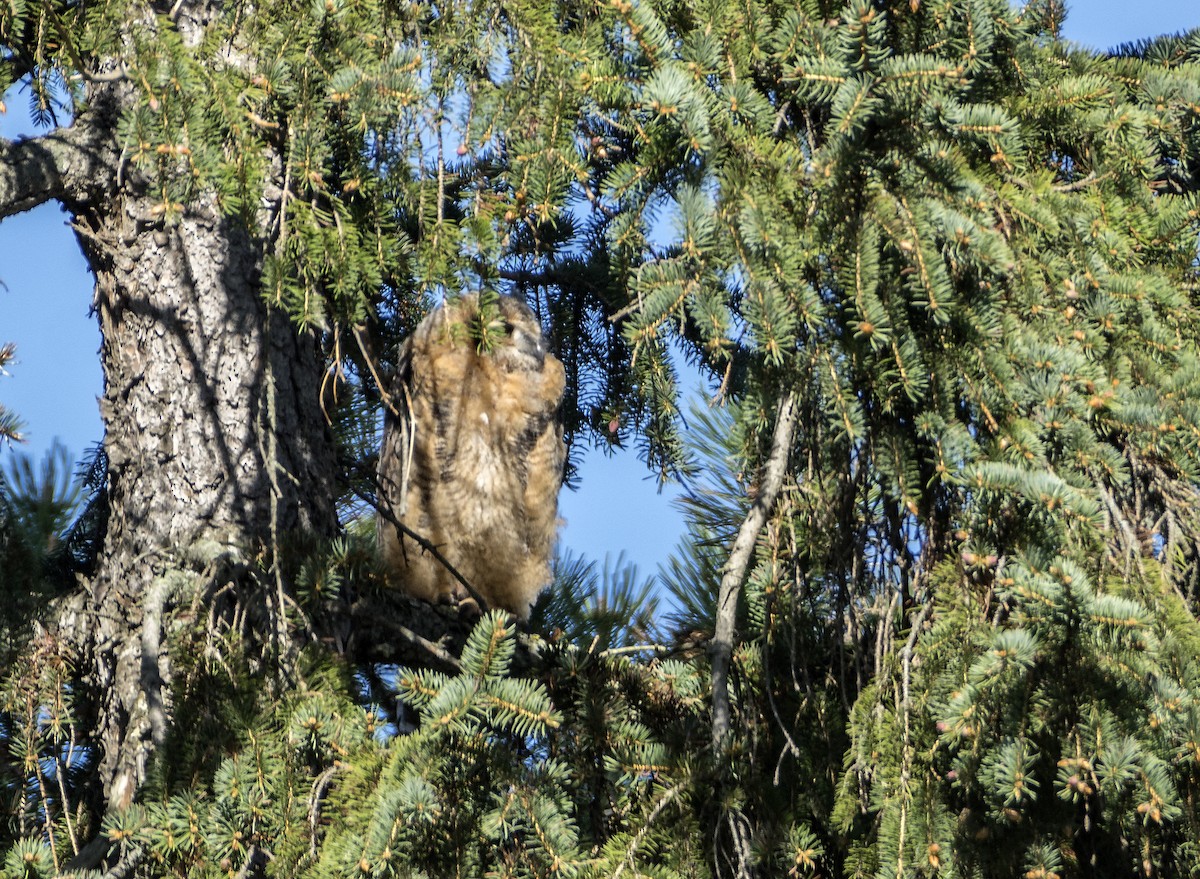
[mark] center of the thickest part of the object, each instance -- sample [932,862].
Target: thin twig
[314,808]
[363,346]
[270,453]
[435,650]
[426,545]
[45,795]
[635,648]
[641,834]
[906,712]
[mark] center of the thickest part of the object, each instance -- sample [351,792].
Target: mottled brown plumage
[474,462]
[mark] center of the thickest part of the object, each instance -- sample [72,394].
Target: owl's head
[515,337]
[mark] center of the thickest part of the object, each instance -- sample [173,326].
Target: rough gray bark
[71,165]
[214,438]
[29,170]
[216,444]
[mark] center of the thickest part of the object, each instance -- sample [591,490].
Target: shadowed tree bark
[216,444]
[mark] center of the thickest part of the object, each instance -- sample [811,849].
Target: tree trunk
[216,443]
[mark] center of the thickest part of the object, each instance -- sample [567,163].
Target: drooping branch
[426,545]
[734,573]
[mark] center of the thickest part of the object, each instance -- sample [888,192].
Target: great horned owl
[474,460]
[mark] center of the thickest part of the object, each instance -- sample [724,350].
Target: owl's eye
[508,327]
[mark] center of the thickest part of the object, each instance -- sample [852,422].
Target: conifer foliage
[10,426]
[939,272]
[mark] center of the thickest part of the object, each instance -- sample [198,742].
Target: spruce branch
[125,866]
[907,756]
[30,172]
[255,863]
[567,275]
[445,657]
[735,570]
[10,425]
[61,165]
[320,788]
[667,798]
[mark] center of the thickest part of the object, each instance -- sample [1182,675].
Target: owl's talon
[469,610]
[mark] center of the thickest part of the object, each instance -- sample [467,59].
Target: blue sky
[46,293]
